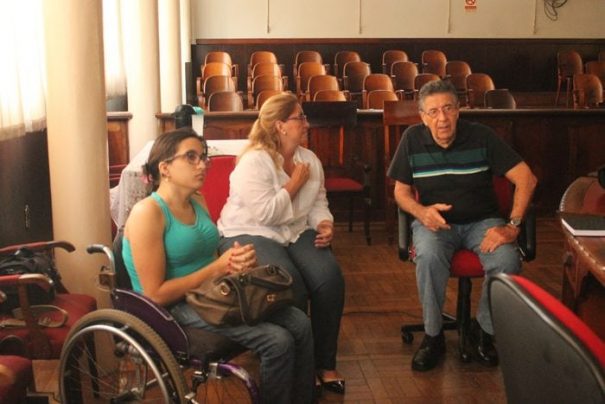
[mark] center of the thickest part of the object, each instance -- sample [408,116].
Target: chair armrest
[527,236]
[404,239]
[38,246]
[26,279]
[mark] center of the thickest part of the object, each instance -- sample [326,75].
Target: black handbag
[247,297]
[26,261]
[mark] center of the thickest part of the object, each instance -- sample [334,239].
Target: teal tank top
[187,247]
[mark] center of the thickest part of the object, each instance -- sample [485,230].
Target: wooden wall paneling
[117,138]
[26,213]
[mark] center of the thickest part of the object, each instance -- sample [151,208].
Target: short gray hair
[436,87]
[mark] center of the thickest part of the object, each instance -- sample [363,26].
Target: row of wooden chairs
[570,64]
[351,75]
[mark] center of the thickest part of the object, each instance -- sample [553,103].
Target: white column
[185,6]
[170,54]
[77,136]
[141,61]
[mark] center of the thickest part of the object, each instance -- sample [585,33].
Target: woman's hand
[238,258]
[325,234]
[300,176]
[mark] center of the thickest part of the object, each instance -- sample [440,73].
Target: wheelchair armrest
[404,239]
[527,237]
[39,246]
[27,279]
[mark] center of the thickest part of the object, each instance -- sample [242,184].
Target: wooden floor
[380,296]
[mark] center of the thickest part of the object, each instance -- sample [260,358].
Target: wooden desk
[584,260]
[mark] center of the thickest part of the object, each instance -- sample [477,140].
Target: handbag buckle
[224,289]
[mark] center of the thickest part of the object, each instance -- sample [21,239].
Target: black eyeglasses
[192,157]
[300,117]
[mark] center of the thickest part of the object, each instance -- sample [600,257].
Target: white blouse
[259,205]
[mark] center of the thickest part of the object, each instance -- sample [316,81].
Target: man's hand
[496,236]
[431,216]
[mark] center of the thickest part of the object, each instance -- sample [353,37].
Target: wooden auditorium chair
[330,95]
[341,58]
[376,98]
[354,74]
[500,98]
[321,82]
[587,91]
[569,63]
[263,96]
[306,56]
[306,70]
[433,61]
[225,101]
[212,69]
[456,72]
[375,81]
[465,266]
[266,69]
[263,56]
[403,75]
[391,56]
[547,354]
[223,57]
[215,84]
[260,83]
[477,84]
[421,79]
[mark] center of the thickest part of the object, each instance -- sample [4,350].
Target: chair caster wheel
[407,337]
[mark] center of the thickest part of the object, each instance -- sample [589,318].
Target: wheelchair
[137,352]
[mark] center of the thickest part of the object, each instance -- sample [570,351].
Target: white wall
[394,19]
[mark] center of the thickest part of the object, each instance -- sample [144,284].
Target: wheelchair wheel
[227,383]
[112,356]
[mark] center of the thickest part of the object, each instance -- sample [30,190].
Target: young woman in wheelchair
[169,247]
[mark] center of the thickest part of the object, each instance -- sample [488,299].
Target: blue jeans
[317,278]
[284,344]
[434,251]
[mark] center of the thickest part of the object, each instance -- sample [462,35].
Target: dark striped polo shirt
[460,175]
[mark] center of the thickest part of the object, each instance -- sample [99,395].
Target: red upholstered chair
[466,265]
[547,354]
[345,177]
[216,184]
[42,342]
[21,373]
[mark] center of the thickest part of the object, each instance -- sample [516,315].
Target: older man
[450,163]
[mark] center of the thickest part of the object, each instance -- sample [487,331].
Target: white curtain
[22,68]
[115,78]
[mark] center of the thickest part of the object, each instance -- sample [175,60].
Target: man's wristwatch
[515,222]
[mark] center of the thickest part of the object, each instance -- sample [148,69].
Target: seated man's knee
[506,259]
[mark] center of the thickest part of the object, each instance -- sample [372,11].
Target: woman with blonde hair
[277,202]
